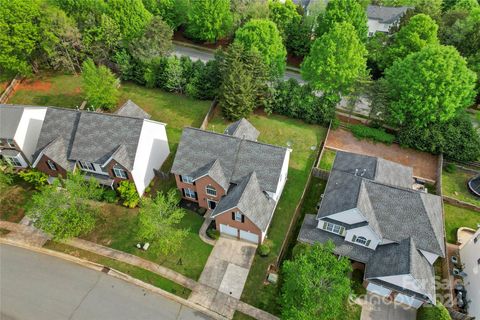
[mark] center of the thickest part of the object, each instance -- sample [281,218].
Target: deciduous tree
[209,20]
[100,85]
[428,86]
[262,36]
[158,222]
[130,15]
[285,15]
[155,41]
[316,284]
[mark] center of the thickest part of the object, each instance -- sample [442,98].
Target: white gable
[351,216]
[28,130]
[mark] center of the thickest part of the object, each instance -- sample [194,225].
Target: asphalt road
[38,286]
[205,56]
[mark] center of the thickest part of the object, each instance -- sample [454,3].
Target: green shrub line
[379,135]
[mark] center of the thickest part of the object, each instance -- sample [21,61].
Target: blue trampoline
[474,185]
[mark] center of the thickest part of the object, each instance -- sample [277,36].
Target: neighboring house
[19,131]
[238,180]
[381,19]
[108,147]
[470,258]
[372,214]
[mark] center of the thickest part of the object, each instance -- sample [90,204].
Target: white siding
[283,176]
[405,281]
[366,232]
[470,256]
[28,130]
[152,150]
[377,26]
[431,257]
[409,301]
[351,216]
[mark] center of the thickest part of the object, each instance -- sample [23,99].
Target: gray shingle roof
[400,259]
[9,152]
[309,233]
[89,136]
[242,129]
[248,197]
[130,109]
[215,171]
[386,14]
[99,135]
[10,116]
[238,157]
[57,151]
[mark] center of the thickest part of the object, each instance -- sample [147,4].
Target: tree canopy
[130,15]
[336,60]
[316,284]
[285,15]
[155,41]
[209,20]
[337,11]
[100,85]
[262,36]
[428,86]
[158,221]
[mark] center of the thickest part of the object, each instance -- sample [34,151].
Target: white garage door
[409,301]
[384,292]
[231,231]
[252,237]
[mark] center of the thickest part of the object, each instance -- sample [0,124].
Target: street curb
[114,273]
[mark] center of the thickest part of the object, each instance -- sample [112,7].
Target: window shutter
[243,218]
[354,238]
[324,225]
[233,215]
[193,182]
[183,192]
[180,177]
[368,242]
[196,196]
[342,230]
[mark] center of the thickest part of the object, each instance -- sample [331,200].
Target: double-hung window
[361,240]
[13,161]
[189,193]
[238,216]
[187,179]
[85,165]
[211,191]
[51,165]
[334,228]
[119,172]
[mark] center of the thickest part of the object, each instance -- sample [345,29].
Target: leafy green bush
[364,132]
[213,234]
[450,168]
[429,312]
[263,250]
[6,174]
[36,178]
[128,194]
[109,196]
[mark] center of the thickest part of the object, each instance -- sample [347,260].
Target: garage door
[381,291]
[231,231]
[409,301]
[249,236]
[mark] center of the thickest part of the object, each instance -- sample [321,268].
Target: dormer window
[85,165]
[361,240]
[334,228]
[119,173]
[186,179]
[211,191]
[51,165]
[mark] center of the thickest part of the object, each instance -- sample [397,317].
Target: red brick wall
[117,180]
[182,185]
[43,166]
[247,225]
[200,188]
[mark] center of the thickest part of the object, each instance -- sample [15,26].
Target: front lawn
[326,163]
[304,140]
[133,271]
[117,226]
[456,217]
[454,185]
[13,200]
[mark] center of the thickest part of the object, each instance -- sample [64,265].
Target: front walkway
[224,275]
[374,307]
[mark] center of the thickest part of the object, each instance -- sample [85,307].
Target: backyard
[304,140]
[456,217]
[13,199]
[454,185]
[326,162]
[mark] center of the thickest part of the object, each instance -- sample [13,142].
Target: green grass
[135,272]
[117,228]
[301,137]
[456,217]
[241,316]
[13,199]
[326,163]
[455,186]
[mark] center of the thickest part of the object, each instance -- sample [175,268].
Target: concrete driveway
[225,274]
[374,308]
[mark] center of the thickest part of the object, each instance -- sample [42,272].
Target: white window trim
[120,173]
[11,160]
[189,193]
[187,179]
[85,165]
[238,216]
[11,145]
[211,188]
[51,165]
[361,242]
[333,228]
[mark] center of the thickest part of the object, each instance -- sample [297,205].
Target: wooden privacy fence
[10,89]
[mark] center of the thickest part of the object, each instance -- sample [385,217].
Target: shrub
[429,312]
[263,250]
[364,132]
[128,194]
[213,234]
[299,249]
[450,168]
[36,178]
[109,196]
